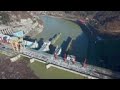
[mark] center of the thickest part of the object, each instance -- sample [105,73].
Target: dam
[66,29]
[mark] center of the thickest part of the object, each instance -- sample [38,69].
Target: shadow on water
[108,51]
[91,50]
[79,47]
[52,49]
[28,38]
[65,45]
[52,37]
[104,53]
[40,42]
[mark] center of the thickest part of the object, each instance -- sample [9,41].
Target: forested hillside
[105,21]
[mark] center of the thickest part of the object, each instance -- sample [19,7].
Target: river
[69,30]
[103,53]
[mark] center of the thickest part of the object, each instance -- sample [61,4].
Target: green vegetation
[52,73]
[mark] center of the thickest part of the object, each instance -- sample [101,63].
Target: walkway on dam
[90,70]
[49,58]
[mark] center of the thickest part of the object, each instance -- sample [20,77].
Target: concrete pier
[32,60]
[48,66]
[51,65]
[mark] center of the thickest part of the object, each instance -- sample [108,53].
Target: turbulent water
[69,30]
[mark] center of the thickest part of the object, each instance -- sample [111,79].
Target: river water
[69,30]
[104,54]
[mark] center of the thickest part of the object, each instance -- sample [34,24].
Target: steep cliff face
[21,20]
[106,22]
[4,18]
[11,16]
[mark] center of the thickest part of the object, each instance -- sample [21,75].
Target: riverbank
[61,17]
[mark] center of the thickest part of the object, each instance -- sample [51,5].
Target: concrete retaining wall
[51,65]
[15,58]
